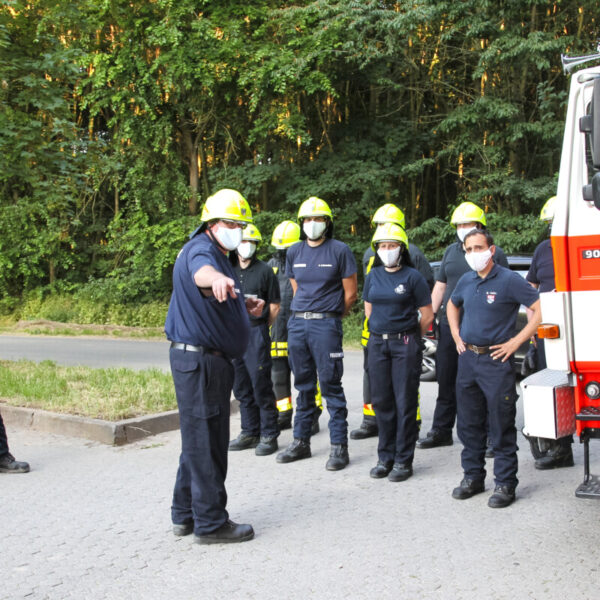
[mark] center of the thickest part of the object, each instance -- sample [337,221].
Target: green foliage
[83,307]
[119,118]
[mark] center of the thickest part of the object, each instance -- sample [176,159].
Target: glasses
[234,224]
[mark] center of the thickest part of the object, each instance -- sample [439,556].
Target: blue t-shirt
[200,320]
[395,298]
[541,270]
[319,271]
[491,305]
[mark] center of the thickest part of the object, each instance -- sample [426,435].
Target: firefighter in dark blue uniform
[388,213]
[485,339]
[286,234]
[8,464]
[252,385]
[559,452]
[208,326]
[322,272]
[466,217]
[394,294]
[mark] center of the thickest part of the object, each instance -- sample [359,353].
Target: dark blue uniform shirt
[203,321]
[259,280]
[541,270]
[454,265]
[395,298]
[491,305]
[319,271]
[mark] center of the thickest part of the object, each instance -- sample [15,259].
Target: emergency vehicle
[565,398]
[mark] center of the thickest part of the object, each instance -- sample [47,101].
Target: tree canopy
[118,119]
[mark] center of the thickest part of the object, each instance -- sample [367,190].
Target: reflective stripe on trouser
[203,385]
[279,349]
[282,386]
[446,364]
[394,370]
[253,387]
[486,390]
[315,347]
[368,410]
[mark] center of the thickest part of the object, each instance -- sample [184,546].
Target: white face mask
[389,257]
[313,229]
[246,249]
[228,238]
[479,260]
[462,233]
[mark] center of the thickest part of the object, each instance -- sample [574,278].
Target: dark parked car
[518,263]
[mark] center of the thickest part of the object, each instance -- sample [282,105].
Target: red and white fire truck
[565,397]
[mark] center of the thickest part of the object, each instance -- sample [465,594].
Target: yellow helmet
[285,234]
[389,232]
[389,213]
[226,204]
[547,213]
[251,234]
[468,212]
[314,207]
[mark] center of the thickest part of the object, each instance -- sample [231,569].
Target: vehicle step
[591,489]
[589,413]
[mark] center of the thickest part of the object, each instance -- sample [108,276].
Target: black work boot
[297,450]
[8,464]
[503,496]
[434,439]
[266,446]
[366,430]
[243,442]
[228,533]
[181,529]
[400,472]
[556,458]
[381,469]
[338,457]
[468,488]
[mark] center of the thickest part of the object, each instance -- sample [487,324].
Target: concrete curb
[108,432]
[115,433]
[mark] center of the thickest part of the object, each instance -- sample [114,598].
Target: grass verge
[109,394]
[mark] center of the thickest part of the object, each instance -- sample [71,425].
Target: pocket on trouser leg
[191,385]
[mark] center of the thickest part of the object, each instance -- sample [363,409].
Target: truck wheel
[539,446]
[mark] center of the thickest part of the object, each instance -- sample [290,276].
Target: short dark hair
[484,232]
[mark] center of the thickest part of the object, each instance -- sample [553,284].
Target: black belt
[314,315]
[201,349]
[394,336]
[478,349]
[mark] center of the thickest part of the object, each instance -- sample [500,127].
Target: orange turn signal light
[548,331]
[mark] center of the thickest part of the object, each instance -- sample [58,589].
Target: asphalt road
[87,351]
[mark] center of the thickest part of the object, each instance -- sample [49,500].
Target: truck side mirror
[591,191]
[590,124]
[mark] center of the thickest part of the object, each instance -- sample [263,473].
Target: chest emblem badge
[490,297]
[400,289]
